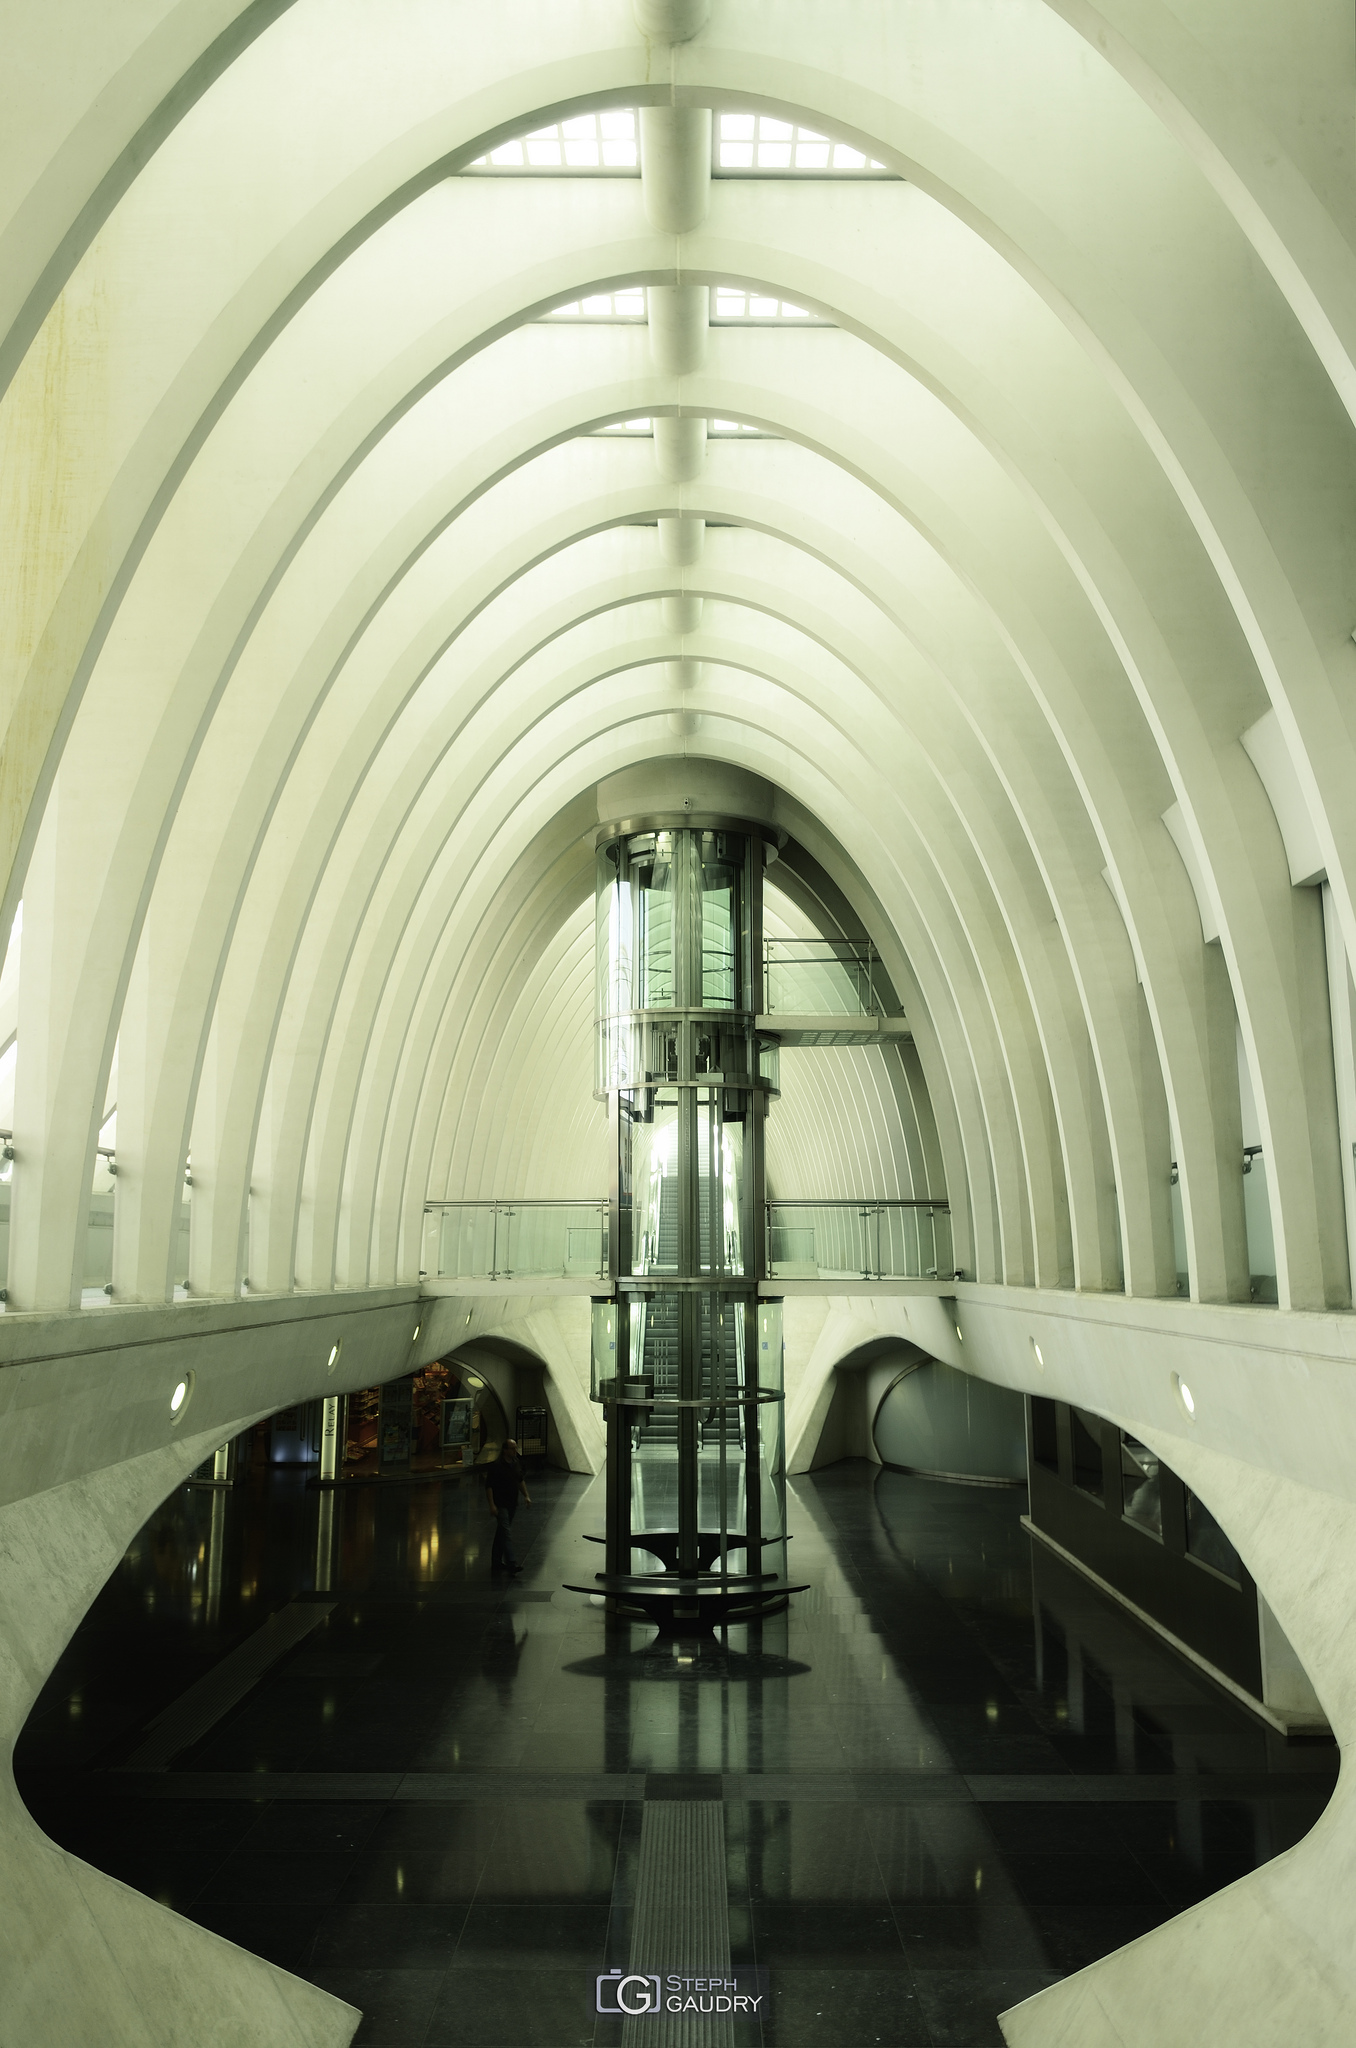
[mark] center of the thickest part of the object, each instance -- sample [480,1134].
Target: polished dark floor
[951,1774]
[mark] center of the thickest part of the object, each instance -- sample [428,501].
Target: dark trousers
[501,1557]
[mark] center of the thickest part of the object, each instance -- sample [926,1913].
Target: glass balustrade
[96,1279]
[6,1188]
[859,1240]
[532,1240]
[821,977]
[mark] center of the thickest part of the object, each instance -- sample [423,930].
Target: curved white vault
[328,602]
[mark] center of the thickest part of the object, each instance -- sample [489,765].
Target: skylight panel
[759,142]
[733,302]
[743,145]
[724,430]
[627,304]
[602,141]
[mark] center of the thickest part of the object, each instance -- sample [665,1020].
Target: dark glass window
[1044,1433]
[1141,1494]
[1207,1542]
[1087,1451]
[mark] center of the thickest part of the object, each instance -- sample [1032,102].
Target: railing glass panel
[859,1240]
[820,977]
[515,1240]
[96,1279]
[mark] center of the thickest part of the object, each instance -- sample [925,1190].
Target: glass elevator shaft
[687,1360]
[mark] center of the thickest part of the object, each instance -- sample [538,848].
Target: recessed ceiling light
[1185,1395]
[333,1358]
[179,1399]
[1036,1354]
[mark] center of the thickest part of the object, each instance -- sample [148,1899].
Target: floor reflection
[951,1773]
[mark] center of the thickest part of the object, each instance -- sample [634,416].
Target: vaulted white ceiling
[327,605]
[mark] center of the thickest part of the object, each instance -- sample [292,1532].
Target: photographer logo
[642,1994]
[627,1997]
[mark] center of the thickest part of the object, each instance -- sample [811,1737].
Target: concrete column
[681,611]
[680,539]
[324,1541]
[684,675]
[675,167]
[680,320]
[670,21]
[216,1555]
[679,448]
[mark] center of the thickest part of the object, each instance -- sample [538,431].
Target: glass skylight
[758,142]
[747,145]
[627,304]
[728,430]
[604,141]
[732,302]
[724,429]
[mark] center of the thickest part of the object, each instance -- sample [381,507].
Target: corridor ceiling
[341,565]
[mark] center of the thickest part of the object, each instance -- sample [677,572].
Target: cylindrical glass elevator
[687,1360]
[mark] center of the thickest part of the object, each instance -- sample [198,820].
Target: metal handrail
[835,949]
[871,1251]
[858,1202]
[527,1202]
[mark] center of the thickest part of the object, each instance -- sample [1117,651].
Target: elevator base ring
[688,1606]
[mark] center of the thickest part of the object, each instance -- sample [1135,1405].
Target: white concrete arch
[330,609]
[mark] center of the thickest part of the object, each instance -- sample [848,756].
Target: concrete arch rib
[644,744]
[306,678]
[1301,1125]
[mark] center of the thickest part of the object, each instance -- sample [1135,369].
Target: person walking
[504,1481]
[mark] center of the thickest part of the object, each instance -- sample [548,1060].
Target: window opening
[626,304]
[1087,1452]
[760,142]
[606,142]
[1207,1542]
[1044,1433]
[601,141]
[1141,1488]
[731,302]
